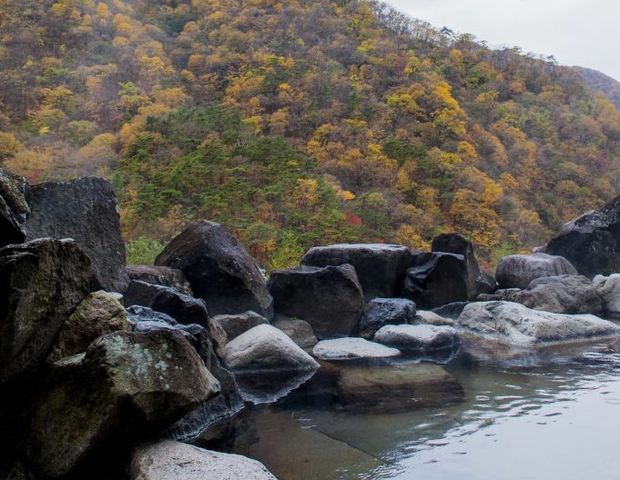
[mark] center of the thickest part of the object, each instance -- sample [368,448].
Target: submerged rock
[183,308]
[562,294]
[99,313]
[380,268]
[235,325]
[219,270]
[352,349]
[397,387]
[515,324]
[125,385]
[41,284]
[424,338]
[518,271]
[85,210]
[158,275]
[591,242]
[328,298]
[298,330]
[174,460]
[266,348]
[385,311]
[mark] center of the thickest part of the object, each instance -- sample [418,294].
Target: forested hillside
[295,123]
[602,83]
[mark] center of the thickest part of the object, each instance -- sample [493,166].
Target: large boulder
[235,325]
[264,347]
[422,338]
[13,209]
[174,460]
[298,330]
[562,294]
[591,242]
[219,270]
[440,278]
[380,267]
[514,324]
[328,298]
[124,386]
[183,308]
[459,245]
[85,210]
[385,311]
[425,317]
[41,284]
[609,289]
[518,271]
[158,275]
[99,313]
[352,348]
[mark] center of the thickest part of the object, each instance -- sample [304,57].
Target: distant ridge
[601,82]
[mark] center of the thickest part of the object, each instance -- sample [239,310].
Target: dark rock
[385,311]
[13,209]
[219,269]
[423,338]
[85,210]
[328,298]
[266,348]
[380,268]
[450,310]
[41,284]
[502,295]
[164,276]
[562,294]
[99,313]
[440,278]
[126,385]
[518,271]
[298,330]
[235,325]
[183,308]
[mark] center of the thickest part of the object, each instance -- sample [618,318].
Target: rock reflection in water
[556,420]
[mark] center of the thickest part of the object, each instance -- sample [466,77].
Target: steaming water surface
[561,420]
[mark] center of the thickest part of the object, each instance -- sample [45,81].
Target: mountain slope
[602,83]
[300,122]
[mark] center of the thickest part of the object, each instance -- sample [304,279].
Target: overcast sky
[577,32]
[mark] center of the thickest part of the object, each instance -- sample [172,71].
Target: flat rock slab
[265,347]
[418,337]
[517,325]
[351,349]
[170,460]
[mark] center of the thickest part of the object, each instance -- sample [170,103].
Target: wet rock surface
[385,311]
[353,348]
[235,325]
[13,209]
[298,330]
[86,211]
[219,270]
[158,275]
[423,338]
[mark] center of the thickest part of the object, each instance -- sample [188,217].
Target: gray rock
[562,294]
[219,270]
[85,210]
[183,308]
[235,325]
[431,318]
[609,289]
[41,284]
[124,385]
[502,295]
[352,348]
[450,310]
[266,348]
[173,460]
[516,325]
[385,311]
[99,313]
[13,209]
[380,267]
[423,338]
[518,271]
[298,330]
[158,275]
[328,298]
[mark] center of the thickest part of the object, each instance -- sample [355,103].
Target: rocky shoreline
[104,367]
